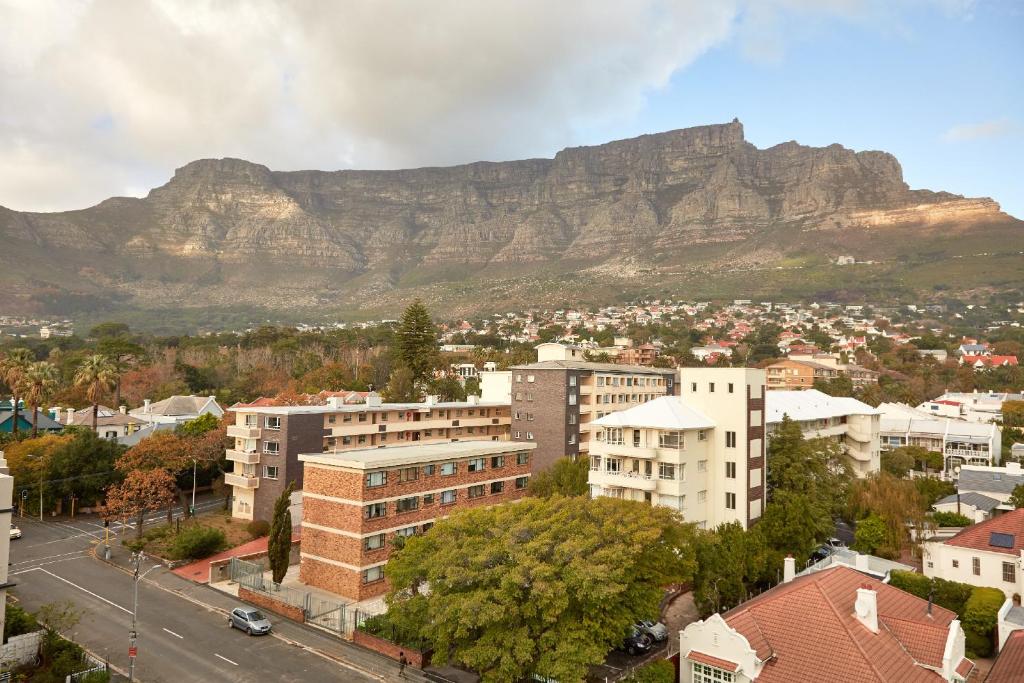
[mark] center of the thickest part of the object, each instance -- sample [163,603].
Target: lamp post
[133,635]
[192,512]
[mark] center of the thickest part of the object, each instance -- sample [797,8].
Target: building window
[519,378]
[522,482]
[702,465]
[956,564]
[702,496]
[407,504]
[428,470]
[670,440]
[613,435]
[428,499]
[1009,572]
[270,472]
[497,487]
[730,501]
[529,417]
[702,435]
[373,574]
[702,673]
[476,491]
[374,479]
[529,436]
[730,387]
[476,465]
[693,387]
[711,387]
[408,474]
[516,434]
[976,566]
[375,510]
[331,419]
[522,458]
[730,470]
[666,471]
[448,469]
[252,420]
[497,461]
[374,542]
[730,439]
[613,465]
[406,532]
[428,526]
[530,378]
[272,423]
[572,418]
[271,447]
[448,497]
[572,380]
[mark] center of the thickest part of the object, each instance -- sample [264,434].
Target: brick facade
[298,434]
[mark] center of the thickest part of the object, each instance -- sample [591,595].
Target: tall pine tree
[416,345]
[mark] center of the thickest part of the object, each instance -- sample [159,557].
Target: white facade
[496,386]
[973,406]
[177,409]
[975,567]
[960,442]
[6,513]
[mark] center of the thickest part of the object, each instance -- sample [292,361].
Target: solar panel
[1001,540]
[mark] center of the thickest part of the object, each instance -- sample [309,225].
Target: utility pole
[137,559]
[194,464]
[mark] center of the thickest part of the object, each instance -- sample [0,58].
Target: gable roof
[777,624]
[665,412]
[176,405]
[1009,666]
[811,404]
[988,479]
[1010,530]
[44,421]
[978,501]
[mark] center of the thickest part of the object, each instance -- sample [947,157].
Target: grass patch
[196,538]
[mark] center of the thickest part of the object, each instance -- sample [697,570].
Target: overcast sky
[108,97]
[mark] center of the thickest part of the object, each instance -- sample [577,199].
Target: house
[356,503]
[988,553]
[993,482]
[961,443]
[971,406]
[44,423]
[833,625]
[877,567]
[989,361]
[110,424]
[178,409]
[970,504]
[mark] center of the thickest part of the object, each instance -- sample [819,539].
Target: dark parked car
[249,620]
[637,642]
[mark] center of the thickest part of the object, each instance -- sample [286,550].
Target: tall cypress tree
[416,344]
[279,544]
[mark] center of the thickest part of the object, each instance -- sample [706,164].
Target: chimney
[333,402]
[373,400]
[55,413]
[145,405]
[71,417]
[788,569]
[860,562]
[123,410]
[866,607]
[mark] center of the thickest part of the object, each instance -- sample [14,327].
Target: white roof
[811,404]
[392,456]
[366,408]
[899,417]
[665,412]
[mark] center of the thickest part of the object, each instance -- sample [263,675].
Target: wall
[266,602]
[387,648]
[940,556]
[20,649]
[299,434]
[550,423]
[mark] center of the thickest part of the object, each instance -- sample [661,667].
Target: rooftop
[988,479]
[811,404]
[363,407]
[393,456]
[665,412]
[1003,534]
[978,501]
[1009,666]
[595,367]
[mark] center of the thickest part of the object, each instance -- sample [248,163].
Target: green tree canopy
[564,478]
[540,587]
[279,542]
[871,535]
[729,561]
[1017,497]
[416,341]
[401,387]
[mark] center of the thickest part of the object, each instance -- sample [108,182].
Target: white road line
[174,634]
[225,659]
[48,557]
[43,564]
[84,590]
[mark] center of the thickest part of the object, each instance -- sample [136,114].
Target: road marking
[225,659]
[84,590]
[48,557]
[44,564]
[174,634]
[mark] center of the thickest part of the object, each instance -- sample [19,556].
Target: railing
[328,614]
[242,480]
[967,453]
[244,457]
[243,432]
[634,480]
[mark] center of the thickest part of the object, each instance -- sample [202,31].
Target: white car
[655,629]
[15,532]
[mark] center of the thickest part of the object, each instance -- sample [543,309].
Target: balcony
[243,432]
[244,457]
[242,481]
[626,480]
[623,450]
[967,453]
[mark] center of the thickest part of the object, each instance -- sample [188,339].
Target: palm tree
[98,375]
[12,371]
[39,382]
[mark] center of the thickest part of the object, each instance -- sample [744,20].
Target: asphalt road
[179,640]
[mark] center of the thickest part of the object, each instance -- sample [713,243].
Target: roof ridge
[853,637]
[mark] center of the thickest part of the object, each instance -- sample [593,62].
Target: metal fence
[318,611]
[94,663]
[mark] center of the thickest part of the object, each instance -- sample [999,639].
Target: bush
[661,671]
[258,528]
[980,618]
[949,594]
[18,622]
[197,542]
[951,519]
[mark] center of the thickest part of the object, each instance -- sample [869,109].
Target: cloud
[101,95]
[966,132]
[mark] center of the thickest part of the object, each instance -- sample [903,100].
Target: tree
[39,382]
[123,353]
[83,466]
[446,388]
[871,535]
[815,468]
[1013,413]
[1017,497]
[793,524]
[542,587]
[472,386]
[564,478]
[729,562]
[897,462]
[279,542]
[416,341]
[98,376]
[140,492]
[896,501]
[401,387]
[198,426]
[12,370]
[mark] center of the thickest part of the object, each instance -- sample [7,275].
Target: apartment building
[798,374]
[268,439]
[851,423]
[961,443]
[556,400]
[701,452]
[356,503]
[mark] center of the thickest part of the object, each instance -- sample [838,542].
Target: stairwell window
[270,472]
[730,470]
[272,422]
[730,439]
[730,501]
[271,447]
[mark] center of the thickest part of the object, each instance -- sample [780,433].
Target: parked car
[821,552]
[655,629]
[249,620]
[636,642]
[15,532]
[835,543]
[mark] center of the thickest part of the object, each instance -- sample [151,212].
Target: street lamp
[137,559]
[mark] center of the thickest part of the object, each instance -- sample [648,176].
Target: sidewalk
[306,637]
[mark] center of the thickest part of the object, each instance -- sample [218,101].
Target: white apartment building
[960,442]
[851,423]
[971,406]
[701,452]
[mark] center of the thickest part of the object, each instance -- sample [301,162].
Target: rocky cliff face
[241,227]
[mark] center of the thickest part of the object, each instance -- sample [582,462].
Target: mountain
[692,212]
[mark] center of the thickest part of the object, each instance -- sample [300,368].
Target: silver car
[655,629]
[249,620]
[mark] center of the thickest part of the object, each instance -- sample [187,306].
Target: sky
[107,97]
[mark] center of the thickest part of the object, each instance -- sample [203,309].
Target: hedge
[951,519]
[197,542]
[661,671]
[980,618]
[952,595]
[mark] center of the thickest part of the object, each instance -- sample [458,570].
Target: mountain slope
[659,210]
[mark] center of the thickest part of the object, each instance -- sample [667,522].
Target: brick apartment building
[356,502]
[555,400]
[798,374]
[268,439]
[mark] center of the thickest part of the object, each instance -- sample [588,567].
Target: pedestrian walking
[402,661]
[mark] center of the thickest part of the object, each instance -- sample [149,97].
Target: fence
[318,611]
[94,663]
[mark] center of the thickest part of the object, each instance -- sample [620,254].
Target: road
[180,639]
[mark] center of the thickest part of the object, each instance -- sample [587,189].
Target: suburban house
[989,553]
[177,409]
[851,423]
[110,424]
[992,482]
[975,506]
[877,567]
[268,439]
[355,503]
[971,406]
[556,400]
[44,422]
[960,442]
[832,625]
[701,452]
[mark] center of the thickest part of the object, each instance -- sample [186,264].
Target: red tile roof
[979,536]
[778,623]
[722,664]
[1009,666]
